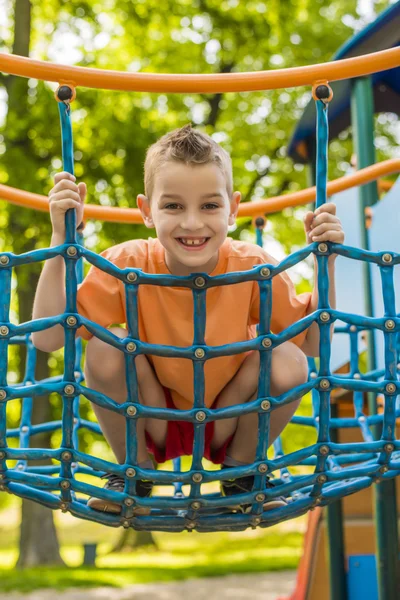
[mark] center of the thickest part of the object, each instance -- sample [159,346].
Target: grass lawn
[178,556]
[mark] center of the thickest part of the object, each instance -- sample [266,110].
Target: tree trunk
[38,539]
[131,540]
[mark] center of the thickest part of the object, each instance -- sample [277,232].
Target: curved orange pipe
[217,82]
[247,209]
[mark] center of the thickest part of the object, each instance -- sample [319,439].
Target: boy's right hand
[64,195]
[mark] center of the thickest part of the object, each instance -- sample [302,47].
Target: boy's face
[190,205]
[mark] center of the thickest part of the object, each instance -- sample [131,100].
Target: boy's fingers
[64,184]
[308,217]
[64,175]
[329,207]
[82,189]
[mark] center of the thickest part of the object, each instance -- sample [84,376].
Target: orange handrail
[357,66]
[247,209]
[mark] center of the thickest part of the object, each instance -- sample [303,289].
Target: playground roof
[382,34]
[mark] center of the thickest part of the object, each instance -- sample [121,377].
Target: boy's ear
[234,207]
[144,207]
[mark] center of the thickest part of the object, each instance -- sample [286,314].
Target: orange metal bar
[217,82]
[248,209]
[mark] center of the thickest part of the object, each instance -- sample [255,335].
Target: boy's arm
[322,225]
[50,300]
[50,293]
[310,345]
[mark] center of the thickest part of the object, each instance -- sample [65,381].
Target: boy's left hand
[323,225]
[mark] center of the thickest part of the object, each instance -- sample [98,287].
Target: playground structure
[337,464]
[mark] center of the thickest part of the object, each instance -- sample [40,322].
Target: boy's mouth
[193,244]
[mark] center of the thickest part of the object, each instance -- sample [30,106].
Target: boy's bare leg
[288,369]
[105,372]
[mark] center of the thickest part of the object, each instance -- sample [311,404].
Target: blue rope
[335,469]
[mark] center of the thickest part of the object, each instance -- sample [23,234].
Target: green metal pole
[335,539]
[362,113]
[334,511]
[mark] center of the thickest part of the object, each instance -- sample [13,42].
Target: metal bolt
[128,502]
[324,316]
[131,410]
[130,472]
[125,524]
[4,260]
[361,419]
[3,394]
[64,507]
[201,416]
[191,525]
[76,421]
[388,448]
[353,328]
[72,251]
[4,330]
[200,282]
[71,321]
[263,468]
[390,388]
[313,375]
[357,376]
[195,505]
[77,374]
[318,500]
[65,485]
[199,353]
[2,455]
[25,429]
[324,450]
[323,247]
[131,277]
[66,455]
[384,469]
[390,324]
[265,272]
[69,390]
[322,478]
[2,488]
[260,497]
[387,258]
[131,346]
[265,404]
[267,343]
[197,477]
[324,384]
[256,521]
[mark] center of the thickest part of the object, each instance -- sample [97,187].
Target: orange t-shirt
[165,314]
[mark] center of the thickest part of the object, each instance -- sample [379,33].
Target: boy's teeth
[193,242]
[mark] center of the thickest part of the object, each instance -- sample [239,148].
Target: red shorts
[179,440]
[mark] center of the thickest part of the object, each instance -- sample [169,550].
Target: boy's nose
[191,223]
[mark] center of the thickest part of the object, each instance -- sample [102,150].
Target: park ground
[257,563]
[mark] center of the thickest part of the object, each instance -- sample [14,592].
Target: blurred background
[112,131]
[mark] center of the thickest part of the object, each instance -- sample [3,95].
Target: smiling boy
[190,202]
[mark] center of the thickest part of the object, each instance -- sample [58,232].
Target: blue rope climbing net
[334,469]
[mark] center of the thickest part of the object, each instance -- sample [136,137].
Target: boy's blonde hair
[188,146]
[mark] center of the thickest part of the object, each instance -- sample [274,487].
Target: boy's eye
[210,205]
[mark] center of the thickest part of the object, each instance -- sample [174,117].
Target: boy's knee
[103,360]
[291,367]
